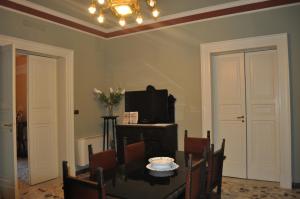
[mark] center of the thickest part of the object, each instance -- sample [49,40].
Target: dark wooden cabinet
[160,139]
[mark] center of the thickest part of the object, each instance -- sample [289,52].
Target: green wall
[88,62]
[170,58]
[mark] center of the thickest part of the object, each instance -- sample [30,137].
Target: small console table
[113,121]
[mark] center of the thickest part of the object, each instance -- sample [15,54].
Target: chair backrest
[215,168]
[75,188]
[196,179]
[106,160]
[134,151]
[196,146]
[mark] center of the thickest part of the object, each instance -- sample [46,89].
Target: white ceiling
[78,9]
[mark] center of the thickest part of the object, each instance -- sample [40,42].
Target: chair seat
[105,159]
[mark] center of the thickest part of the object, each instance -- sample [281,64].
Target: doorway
[9,46]
[245,112]
[21,119]
[36,112]
[278,42]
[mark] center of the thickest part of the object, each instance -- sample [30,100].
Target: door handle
[7,125]
[240,117]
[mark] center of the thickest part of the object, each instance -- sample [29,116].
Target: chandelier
[122,9]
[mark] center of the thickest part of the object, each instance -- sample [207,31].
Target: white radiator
[82,148]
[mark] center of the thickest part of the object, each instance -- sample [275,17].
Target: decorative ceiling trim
[203,16]
[88,28]
[16,6]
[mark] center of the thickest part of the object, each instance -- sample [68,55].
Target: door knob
[7,125]
[240,117]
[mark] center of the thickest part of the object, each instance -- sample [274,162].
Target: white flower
[96,91]
[123,92]
[111,90]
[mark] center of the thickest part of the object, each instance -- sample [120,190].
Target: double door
[245,113]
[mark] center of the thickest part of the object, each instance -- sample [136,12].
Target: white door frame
[65,59]
[280,42]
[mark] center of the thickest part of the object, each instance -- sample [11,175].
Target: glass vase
[110,110]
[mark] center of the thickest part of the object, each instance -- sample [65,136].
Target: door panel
[229,104]
[262,114]
[42,124]
[8,172]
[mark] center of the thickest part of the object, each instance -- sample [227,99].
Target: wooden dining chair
[196,179]
[196,146]
[215,171]
[106,160]
[134,151]
[75,188]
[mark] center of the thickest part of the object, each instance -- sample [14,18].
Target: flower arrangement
[112,99]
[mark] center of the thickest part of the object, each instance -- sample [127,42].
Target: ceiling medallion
[122,9]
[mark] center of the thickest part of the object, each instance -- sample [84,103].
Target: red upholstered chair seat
[196,146]
[106,160]
[135,151]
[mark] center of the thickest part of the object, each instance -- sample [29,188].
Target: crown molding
[217,11]
[190,12]
[32,9]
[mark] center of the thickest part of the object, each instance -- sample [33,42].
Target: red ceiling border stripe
[50,17]
[175,21]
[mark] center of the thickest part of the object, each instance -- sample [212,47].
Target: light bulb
[155,12]
[100,18]
[122,22]
[92,8]
[139,19]
[123,10]
[151,3]
[101,2]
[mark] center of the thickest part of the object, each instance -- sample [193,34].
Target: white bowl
[172,167]
[161,162]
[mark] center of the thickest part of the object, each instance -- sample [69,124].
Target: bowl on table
[161,162]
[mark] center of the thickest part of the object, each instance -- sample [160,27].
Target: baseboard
[296,185]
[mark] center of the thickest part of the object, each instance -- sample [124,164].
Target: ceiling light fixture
[100,17]
[139,19]
[122,22]
[122,9]
[155,12]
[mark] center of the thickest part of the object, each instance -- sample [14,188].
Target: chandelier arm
[123,9]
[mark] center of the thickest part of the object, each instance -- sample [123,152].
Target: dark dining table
[135,181]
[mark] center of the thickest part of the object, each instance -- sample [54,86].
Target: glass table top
[135,181]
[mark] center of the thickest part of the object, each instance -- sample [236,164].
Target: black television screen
[152,106]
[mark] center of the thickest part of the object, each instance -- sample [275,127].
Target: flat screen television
[152,105]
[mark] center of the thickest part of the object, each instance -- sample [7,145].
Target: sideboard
[160,139]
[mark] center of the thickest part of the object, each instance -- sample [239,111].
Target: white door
[8,171]
[42,119]
[229,110]
[262,115]
[251,147]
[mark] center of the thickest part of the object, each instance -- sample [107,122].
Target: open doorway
[9,47]
[21,114]
[36,119]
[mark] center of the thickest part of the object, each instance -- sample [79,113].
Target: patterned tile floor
[233,188]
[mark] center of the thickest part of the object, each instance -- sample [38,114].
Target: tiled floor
[233,188]
[50,189]
[23,169]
